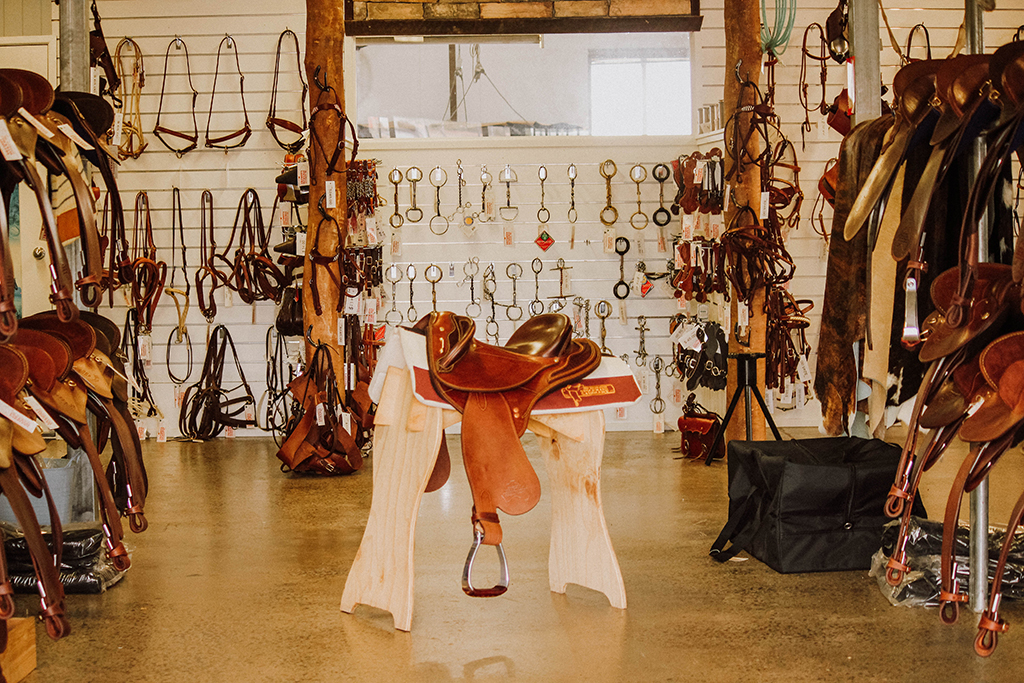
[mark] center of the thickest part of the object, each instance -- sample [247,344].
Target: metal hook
[178,43]
[739,80]
[309,336]
[231,42]
[321,207]
[320,84]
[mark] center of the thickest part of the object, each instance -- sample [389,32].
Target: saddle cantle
[495,388]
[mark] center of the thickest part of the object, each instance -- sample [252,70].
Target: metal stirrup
[467,582]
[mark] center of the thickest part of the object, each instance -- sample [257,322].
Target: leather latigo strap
[133,140]
[240,136]
[160,131]
[273,121]
[495,389]
[150,274]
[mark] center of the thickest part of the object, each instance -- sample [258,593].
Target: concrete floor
[240,575]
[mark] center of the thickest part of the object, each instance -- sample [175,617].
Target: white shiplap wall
[256,24]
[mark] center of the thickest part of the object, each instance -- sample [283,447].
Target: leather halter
[159,131]
[179,333]
[242,134]
[273,121]
[325,104]
[207,271]
[150,274]
[133,142]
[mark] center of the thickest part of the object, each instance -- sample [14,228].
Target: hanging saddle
[495,389]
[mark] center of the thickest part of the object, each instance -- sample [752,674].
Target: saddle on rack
[495,389]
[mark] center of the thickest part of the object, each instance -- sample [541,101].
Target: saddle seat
[495,389]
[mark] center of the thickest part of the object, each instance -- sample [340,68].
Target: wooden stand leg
[406,438]
[581,549]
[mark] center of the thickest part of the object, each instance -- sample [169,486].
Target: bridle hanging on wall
[273,122]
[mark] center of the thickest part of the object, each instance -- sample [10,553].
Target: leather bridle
[208,406]
[319,261]
[179,333]
[150,274]
[159,131]
[273,121]
[133,142]
[207,251]
[242,134]
[324,104]
[822,59]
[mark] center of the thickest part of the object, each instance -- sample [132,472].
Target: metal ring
[621,246]
[605,173]
[396,220]
[618,286]
[414,211]
[433,173]
[537,266]
[514,268]
[517,309]
[657,405]
[428,274]
[512,211]
[633,220]
[641,360]
[661,172]
[471,267]
[446,224]
[410,271]
[662,217]
[473,307]
[573,215]
[613,212]
[487,328]
[657,364]
[391,272]
[632,175]
[557,305]
[397,313]
[395,177]
[536,307]
[603,309]
[414,174]
[411,314]
[543,215]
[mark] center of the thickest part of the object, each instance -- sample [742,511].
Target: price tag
[680,262]
[715,226]
[372,238]
[686,223]
[8,149]
[331,194]
[677,396]
[115,137]
[803,370]
[510,234]
[23,421]
[662,241]
[161,432]
[94,80]
[34,122]
[286,215]
[302,171]
[353,301]
[763,212]
[179,395]
[40,412]
[370,311]
[726,196]
[229,431]
[396,245]
[620,413]
[609,240]
[346,421]
[341,331]
[638,280]
[691,338]
[659,423]
[698,173]
[321,417]
[300,242]
[146,348]
[565,278]
[75,137]
[623,318]
[801,395]
[250,413]
[822,130]
[641,247]
[140,429]
[677,334]
[229,300]
[742,315]
[769,398]
[643,382]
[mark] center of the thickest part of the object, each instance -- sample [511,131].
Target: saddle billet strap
[61,287]
[99,55]
[273,122]
[246,130]
[991,624]
[51,591]
[338,152]
[89,283]
[6,588]
[126,471]
[160,131]
[8,309]
[133,140]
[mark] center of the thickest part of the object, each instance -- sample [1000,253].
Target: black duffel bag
[808,505]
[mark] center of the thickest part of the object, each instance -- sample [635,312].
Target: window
[594,84]
[640,92]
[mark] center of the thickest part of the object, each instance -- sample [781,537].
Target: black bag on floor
[808,505]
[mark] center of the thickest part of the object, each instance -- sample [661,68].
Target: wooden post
[325,37]
[743,55]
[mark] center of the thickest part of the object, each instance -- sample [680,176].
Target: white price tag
[286,215]
[341,331]
[641,246]
[565,277]
[726,197]
[321,416]
[94,80]
[23,421]
[510,234]
[178,395]
[643,382]
[353,301]
[34,122]
[146,347]
[677,396]
[715,226]
[372,238]
[396,244]
[300,242]
[803,370]
[620,413]
[115,137]
[302,171]
[763,212]
[680,262]
[769,398]
[698,173]
[742,315]
[686,222]
[662,241]
[370,311]
[801,395]
[623,318]
[638,280]
[229,300]
[40,411]
[331,194]
[8,149]
[140,429]
[822,130]
[609,240]
[659,423]
[250,413]
[75,137]
[229,432]
[489,206]
[691,338]
[346,421]
[161,432]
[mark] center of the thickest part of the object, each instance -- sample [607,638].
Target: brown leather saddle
[495,388]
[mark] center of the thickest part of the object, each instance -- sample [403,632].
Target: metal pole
[974,26]
[74,45]
[865,50]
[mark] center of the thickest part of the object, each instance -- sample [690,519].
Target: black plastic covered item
[84,567]
[808,505]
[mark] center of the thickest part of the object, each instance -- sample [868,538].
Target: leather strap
[325,103]
[160,131]
[8,310]
[273,122]
[207,276]
[133,140]
[150,274]
[822,58]
[242,134]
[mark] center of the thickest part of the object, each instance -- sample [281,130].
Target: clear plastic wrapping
[84,564]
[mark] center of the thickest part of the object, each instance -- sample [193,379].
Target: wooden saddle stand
[560,398]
